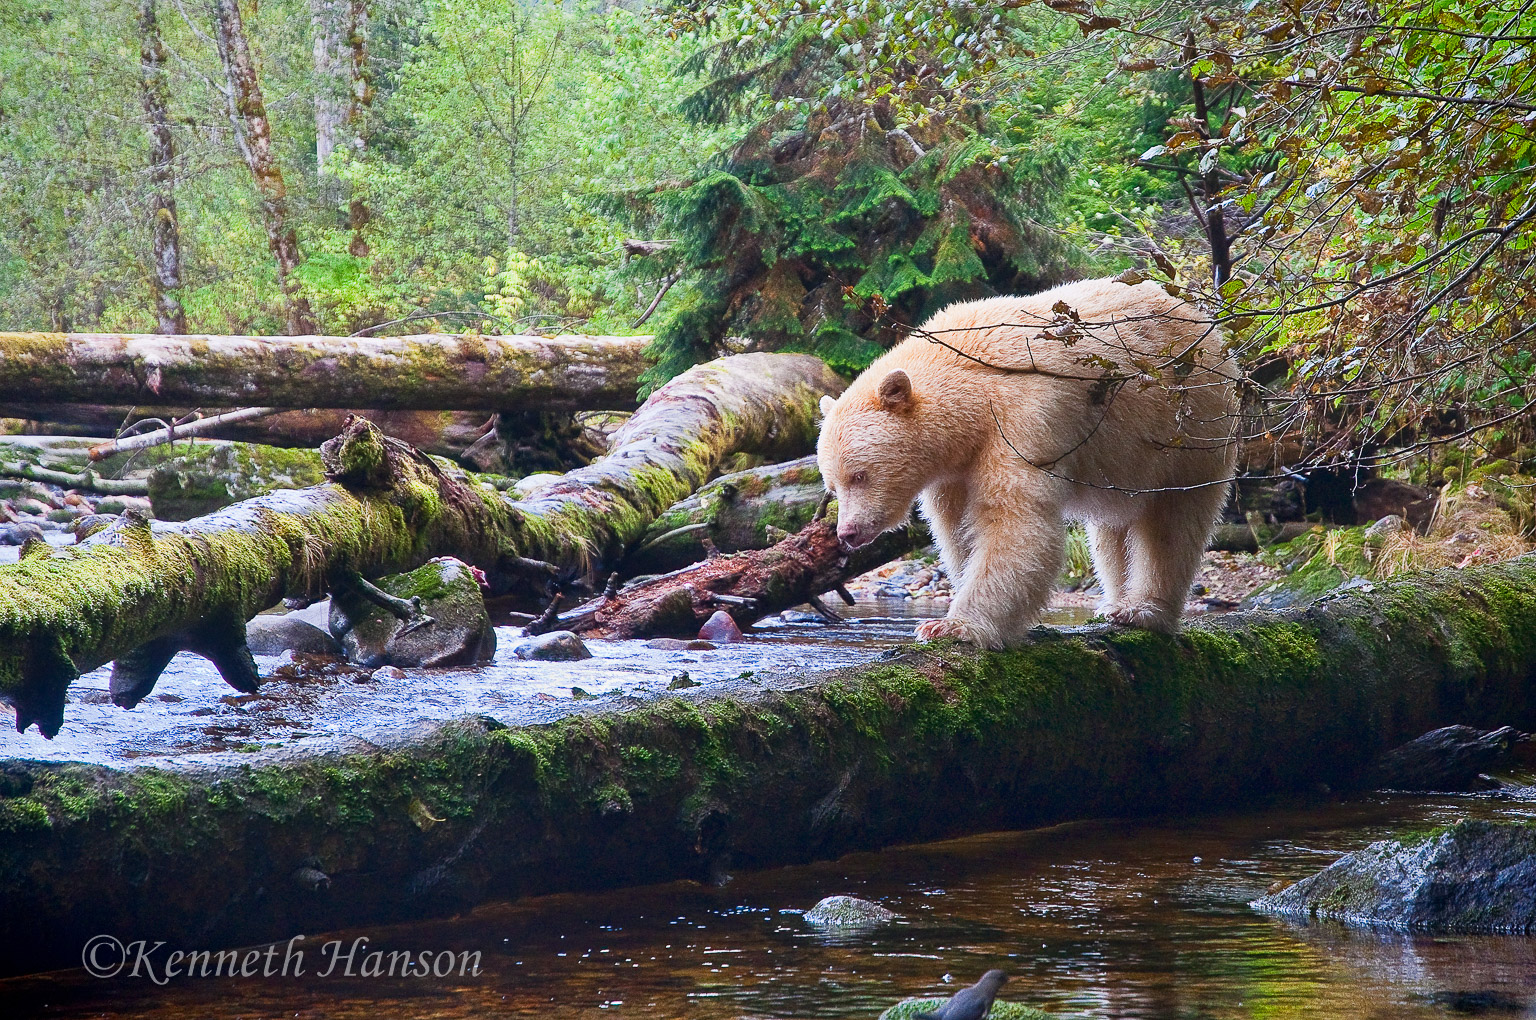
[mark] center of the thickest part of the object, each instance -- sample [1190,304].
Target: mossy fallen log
[434,372]
[136,593]
[762,771]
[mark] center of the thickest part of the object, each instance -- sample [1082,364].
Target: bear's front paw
[1147,617]
[959,629]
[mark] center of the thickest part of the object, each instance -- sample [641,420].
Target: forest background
[1347,187]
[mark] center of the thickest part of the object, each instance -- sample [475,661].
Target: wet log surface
[424,372]
[767,769]
[159,587]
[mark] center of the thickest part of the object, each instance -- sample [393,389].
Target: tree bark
[359,99]
[137,593]
[747,585]
[256,129]
[425,372]
[165,232]
[330,108]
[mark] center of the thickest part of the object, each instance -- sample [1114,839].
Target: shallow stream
[1142,919]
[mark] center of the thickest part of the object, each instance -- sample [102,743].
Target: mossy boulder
[446,591]
[1475,876]
[848,912]
[910,1009]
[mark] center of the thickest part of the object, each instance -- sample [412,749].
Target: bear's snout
[853,535]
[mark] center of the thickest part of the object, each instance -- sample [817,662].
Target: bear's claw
[948,627]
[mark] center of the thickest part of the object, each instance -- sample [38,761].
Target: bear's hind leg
[1107,545]
[1165,548]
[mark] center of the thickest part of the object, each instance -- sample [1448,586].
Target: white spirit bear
[1098,401]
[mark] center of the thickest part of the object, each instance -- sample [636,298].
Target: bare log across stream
[140,592]
[435,372]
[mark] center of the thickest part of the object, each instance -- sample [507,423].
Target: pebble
[720,628]
[556,646]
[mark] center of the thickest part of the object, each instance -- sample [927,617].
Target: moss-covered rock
[1316,563]
[450,626]
[911,1009]
[194,479]
[1474,876]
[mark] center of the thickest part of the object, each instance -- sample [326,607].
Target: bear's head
[872,456]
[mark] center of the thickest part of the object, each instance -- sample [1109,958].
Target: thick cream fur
[1001,457]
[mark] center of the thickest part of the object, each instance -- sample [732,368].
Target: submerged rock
[672,644]
[848,912]
[452,627]
[720,629]
[556,646]
[274,635]
[1476,876]
[1452,758]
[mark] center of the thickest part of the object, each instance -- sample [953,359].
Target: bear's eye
[858,478]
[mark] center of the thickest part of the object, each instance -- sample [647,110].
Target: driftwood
[426,372]
[137,591]
[1452,758]
[747,585]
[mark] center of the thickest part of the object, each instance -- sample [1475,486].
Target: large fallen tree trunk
[138,593]
[435,372]
[754,773]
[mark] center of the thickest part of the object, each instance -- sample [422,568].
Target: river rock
[910,1009]
[274,635]
[672,644]
[556,646]
[720,629]
[848,912]
[1450,759]
[20,534]
[1476,876]
[460,633]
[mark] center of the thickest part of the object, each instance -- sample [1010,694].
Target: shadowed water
[1109,919]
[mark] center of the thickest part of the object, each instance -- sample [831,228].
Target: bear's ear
[827,403]
[896,391]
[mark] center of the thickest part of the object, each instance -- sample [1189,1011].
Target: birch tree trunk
[165,259]
[256,129]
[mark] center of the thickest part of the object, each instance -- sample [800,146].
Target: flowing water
[1133,919]
[1136,919]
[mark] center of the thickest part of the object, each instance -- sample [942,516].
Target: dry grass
[1469,527]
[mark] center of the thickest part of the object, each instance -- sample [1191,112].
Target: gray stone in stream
[672,644]
[274,635]
[117,504]
[460,633]
[848,912]
[556,646]
[20,533]
[1476,876]
[1451,759]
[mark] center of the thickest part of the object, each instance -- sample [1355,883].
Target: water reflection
[1112,919]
